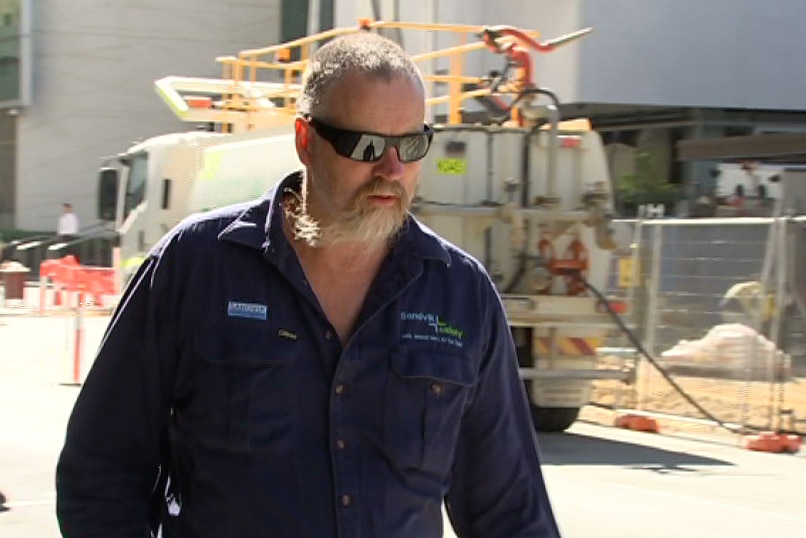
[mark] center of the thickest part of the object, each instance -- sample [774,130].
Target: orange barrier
[76,288]
[772,442]
[96,284]
[638,423]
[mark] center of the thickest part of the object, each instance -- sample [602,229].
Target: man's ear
[302,137]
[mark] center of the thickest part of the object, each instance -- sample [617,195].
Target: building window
[12,79]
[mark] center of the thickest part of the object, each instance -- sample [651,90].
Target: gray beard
[374,227]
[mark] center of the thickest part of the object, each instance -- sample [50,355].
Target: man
[67,229]
[316,363]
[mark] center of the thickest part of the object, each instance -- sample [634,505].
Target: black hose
[542,91]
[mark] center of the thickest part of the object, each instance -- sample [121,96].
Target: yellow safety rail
[277,71]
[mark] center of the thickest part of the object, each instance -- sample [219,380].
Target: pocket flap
[449,368]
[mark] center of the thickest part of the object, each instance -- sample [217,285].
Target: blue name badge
[247,310]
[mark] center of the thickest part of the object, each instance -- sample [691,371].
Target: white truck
[526,194]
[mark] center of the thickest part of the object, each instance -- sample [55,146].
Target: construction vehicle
[526,194]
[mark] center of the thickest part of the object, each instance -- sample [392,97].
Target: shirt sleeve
[109,464]
[497,487]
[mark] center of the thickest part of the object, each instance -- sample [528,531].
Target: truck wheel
[553,419]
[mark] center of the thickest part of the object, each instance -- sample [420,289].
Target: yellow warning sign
[626,273]
[211,165]
[455,167]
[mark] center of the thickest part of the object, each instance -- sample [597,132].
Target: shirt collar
[260,226]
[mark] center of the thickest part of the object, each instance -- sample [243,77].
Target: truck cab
[158,182]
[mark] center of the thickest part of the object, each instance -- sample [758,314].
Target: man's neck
[340,276]
[342,257]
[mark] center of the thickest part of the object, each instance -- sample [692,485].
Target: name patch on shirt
[247,310]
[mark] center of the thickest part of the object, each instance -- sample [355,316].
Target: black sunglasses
[369,147]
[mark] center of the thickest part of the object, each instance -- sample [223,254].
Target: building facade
[92,68]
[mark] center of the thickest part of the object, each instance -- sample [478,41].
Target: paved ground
[36,396]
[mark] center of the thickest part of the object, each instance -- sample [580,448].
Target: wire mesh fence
[718,307]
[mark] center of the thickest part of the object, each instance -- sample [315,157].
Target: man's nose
[390,165]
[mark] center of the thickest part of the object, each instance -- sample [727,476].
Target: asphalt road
[604,482]
[607,482]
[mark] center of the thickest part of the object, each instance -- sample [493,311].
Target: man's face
[360,201]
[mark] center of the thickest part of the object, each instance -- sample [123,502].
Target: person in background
[316,363]
[67,229]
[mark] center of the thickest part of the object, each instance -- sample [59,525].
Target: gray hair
[363,53]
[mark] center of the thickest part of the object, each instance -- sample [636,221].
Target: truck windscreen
[136,183]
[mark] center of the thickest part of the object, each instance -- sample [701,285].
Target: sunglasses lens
[365,147]
[413,147]
[369,147]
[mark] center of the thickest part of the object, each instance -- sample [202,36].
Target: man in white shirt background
[67,229]
[68,223]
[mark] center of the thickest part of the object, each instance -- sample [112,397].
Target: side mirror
[108,180]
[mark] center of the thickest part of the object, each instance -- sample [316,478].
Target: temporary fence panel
[715,351]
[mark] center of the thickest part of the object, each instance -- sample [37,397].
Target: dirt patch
[727,396]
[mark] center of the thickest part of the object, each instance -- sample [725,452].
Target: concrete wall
[94,66]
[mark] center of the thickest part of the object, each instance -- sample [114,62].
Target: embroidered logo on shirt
[443,331]
[247,310]
[286,334]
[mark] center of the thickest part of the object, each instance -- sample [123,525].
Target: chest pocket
[243,393]
[425,399]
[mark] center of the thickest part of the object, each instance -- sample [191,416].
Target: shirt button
[341,444]
[339,389]
[346,500]
[437,388]
[328,334]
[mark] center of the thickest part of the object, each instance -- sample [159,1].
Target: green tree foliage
[646,185]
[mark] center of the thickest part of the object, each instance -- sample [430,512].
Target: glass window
[136,182]
[11,52]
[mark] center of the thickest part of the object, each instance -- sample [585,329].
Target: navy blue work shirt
[279,431]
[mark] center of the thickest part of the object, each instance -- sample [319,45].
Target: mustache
[381,187]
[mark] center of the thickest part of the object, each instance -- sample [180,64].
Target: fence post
[652,300]
[79,336]
[654,287]
[43,294]
[77,333]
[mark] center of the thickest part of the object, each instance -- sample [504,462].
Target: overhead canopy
[775,148]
